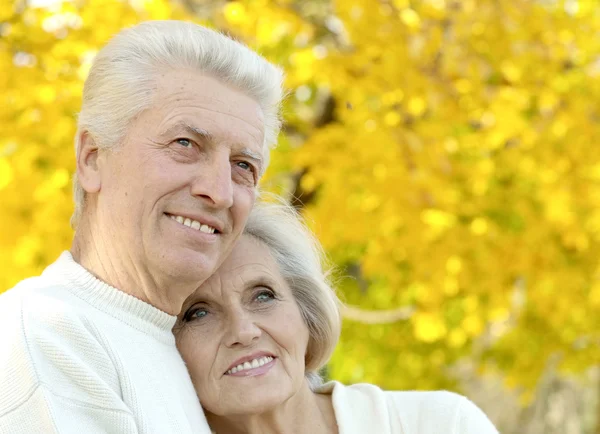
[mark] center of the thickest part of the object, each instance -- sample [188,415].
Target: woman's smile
[253,368]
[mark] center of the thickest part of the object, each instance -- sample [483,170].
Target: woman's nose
[242,331]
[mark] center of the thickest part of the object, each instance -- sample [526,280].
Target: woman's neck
[305,412]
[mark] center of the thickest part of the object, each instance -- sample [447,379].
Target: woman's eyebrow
[191,302]
[249,283]
[261,280]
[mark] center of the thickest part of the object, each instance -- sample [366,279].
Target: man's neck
[304,413]
[116,267]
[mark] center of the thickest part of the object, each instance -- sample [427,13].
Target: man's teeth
[250,365]
[193,224]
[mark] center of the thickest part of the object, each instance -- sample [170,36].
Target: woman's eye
[265,296]
[200,313]
[197,313]
[184,142]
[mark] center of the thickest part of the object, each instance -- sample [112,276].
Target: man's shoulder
[39,309]
[39,298]
[55,353]
[41,316]
[49,336]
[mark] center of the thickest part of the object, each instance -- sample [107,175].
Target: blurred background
[444,151]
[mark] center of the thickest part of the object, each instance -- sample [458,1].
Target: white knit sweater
[364,408]
[79,356]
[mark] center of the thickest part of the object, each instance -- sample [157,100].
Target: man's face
[177,192]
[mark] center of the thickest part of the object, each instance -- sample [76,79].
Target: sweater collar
[358,409]
[112,301]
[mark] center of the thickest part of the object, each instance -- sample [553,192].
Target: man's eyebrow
[208,137]
[183,126]
[252,155]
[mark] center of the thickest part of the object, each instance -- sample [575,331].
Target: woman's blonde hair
[301,263]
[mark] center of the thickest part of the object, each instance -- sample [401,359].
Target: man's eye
[246,166]
[185,142]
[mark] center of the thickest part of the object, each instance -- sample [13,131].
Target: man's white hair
[122,80]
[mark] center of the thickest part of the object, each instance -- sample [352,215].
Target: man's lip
[250,357]
[201,219]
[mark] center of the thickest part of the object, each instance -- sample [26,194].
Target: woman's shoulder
[411,398]
[410,411]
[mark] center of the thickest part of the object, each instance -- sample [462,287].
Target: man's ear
[88,171]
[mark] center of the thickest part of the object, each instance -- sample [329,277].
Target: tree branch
[354,313]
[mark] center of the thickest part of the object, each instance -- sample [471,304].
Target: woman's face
[242,336]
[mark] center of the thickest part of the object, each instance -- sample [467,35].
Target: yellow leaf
[235,12]
[392,118]
[428,327]
[510,71]
[457,338]
[479,226]
[6,173]
[472,325]
[410,18]
[454,265]
[416,106]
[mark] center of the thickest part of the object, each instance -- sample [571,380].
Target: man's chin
[188,265]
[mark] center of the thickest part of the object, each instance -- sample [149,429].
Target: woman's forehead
[248,250]
[249,262]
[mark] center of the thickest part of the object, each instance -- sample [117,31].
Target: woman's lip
[253,372]
[249,358]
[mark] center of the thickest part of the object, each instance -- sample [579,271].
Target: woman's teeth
[250,364]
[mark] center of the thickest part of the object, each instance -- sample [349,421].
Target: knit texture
[364,408]
[79,356]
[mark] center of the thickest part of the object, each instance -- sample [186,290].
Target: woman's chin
[254,408]
[254,400]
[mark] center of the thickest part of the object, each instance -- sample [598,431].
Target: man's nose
[214,183]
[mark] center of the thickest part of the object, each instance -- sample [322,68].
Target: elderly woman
[256,333]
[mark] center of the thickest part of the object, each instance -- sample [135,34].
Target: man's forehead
[194,88]
[186,90]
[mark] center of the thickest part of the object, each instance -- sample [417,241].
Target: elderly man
[172,138]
